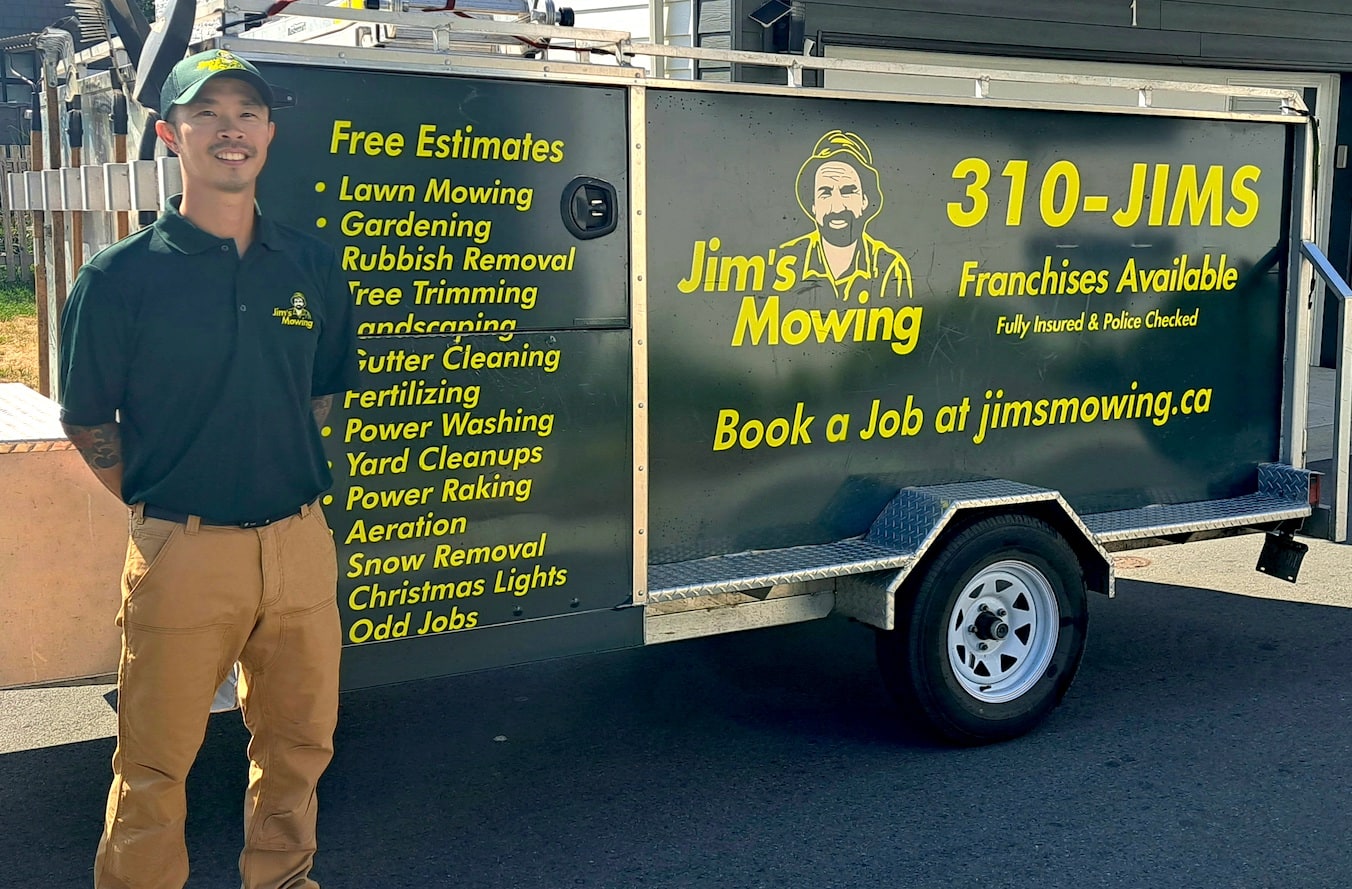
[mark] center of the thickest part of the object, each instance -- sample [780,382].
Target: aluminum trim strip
[1299,307]
[732,618]
[638,324]
[766,568]
[1186,518]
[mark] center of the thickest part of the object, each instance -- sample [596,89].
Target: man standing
[196,403]
[838,189]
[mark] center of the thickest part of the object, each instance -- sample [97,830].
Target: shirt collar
[815,261]
[185,237]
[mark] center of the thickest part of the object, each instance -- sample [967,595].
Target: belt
[169,515]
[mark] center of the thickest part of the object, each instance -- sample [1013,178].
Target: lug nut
[1001,612]
[982,646]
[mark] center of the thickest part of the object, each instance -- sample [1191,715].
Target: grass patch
[18,333]
[17,300]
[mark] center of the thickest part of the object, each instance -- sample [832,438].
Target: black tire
[1011,563]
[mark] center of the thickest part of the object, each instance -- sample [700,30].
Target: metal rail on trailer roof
[228,17]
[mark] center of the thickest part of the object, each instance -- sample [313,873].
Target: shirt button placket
[243,307]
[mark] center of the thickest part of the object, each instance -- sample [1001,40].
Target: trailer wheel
[993,636]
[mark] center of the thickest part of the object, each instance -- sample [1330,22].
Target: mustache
[233,146]
[840,216]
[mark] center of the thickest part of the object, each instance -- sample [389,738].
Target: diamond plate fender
[916,518]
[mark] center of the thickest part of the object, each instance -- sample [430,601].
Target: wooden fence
[16,227]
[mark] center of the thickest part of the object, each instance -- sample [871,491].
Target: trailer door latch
[1281,555]
[589,208]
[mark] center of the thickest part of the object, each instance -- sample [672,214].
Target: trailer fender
[920,519]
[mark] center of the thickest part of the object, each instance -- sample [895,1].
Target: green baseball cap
[187,77]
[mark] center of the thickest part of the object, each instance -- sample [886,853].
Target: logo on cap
[224,61]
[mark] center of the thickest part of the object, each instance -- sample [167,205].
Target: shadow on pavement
[1203,744]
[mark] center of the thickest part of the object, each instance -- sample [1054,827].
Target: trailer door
[482,505]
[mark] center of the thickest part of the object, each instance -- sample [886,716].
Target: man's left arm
[335,368]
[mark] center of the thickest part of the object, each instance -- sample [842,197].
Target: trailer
[646,360]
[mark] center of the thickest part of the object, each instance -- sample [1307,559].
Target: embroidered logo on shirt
[296,316]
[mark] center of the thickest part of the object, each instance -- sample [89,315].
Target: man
[838,189]
[196,405]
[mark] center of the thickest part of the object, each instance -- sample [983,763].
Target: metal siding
[1275,52]
[1301,35]
[1083,12]
[1053,38]
[713,24]
[1262,8]
[715,16]
[1148,13]
[1219,18]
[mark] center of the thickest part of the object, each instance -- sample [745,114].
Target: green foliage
[17,299]
[148,7]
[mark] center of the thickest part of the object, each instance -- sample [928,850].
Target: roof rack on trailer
[445,31]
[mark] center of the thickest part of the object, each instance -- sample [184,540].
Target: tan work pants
[195,599]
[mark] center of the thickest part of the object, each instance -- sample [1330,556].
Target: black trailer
[646,360]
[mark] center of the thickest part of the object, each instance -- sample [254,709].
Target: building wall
[635,17]
[19,18]
[713,30]
[1294,35]
[29,16]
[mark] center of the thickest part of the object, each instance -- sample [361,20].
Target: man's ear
[864,195]
[165,130]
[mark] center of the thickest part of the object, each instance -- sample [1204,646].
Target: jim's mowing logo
[839,191]
[296,316]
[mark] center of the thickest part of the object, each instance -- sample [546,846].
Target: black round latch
[590,208]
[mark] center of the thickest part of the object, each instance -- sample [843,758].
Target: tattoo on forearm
[101,446]
[321,407]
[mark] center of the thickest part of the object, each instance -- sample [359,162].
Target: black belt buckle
[272,521]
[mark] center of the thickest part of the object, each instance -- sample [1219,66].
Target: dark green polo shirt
[209,362]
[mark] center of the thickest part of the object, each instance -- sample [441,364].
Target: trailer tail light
[1315,479]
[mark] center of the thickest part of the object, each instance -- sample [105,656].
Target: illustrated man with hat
[838,189]
[196,406]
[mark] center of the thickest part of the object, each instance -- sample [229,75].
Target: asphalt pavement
[1205,743]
